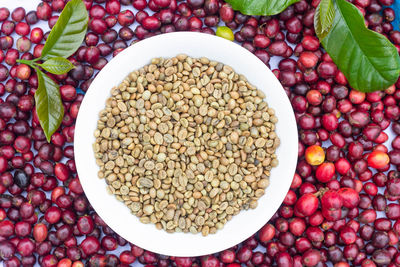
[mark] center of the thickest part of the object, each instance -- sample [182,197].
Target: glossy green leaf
[261,7]
[69,31]
[367,59]
[57,65]
[323,18]
[49,106]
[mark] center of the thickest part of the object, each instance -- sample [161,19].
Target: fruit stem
[321,192]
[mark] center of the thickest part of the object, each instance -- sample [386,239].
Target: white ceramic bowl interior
[115,213]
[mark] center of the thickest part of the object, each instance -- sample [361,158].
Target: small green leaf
[261,7]
[69,31]
[49,106]
[57,65]
[367,59]
[324,15]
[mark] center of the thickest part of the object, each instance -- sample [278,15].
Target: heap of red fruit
[343,205]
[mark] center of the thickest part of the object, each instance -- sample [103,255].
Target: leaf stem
[27,62]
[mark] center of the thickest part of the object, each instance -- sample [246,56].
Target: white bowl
[115,213]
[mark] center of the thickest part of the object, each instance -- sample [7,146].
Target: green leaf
[69,31]
[323,18]
[261,7]
[49,106]
[367,59]
[57,65]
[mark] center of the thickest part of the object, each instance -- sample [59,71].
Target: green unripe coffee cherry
[225,32]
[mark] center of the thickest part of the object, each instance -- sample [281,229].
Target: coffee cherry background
[45,218]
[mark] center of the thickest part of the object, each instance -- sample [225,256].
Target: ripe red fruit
[210,261]
[68,93]
[6,229]
[151,23]
[331,215]
[342,166]
[371,189]
[296,182]
[307,60]
[183,261]
[56,192]
[113,7]
[310,43]
[311,257]
[330,121]
[371,132]
[3,164]
[4,13]
[266,233]
[126,18]
[393,187]
[331,200]
[40,232]
[359,118]
[23,72]
[382,138]
[350,197]
[347,235]
[90,245]
[226,13]
[367,216]
[314,97]
[25,247]
[75,186]
[53,215]
[43,11]
[356,97]
[290,198]
[22,28]
[226,256]
[61,171]
[92,54]
[126,257]
[64,263]
[325,172]
[327,70]
[297,226]
[307,204]
[22,144]
[162,3]
[97,25]
[85,225]
[261,41]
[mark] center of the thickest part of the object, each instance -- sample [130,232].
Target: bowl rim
[79,141]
